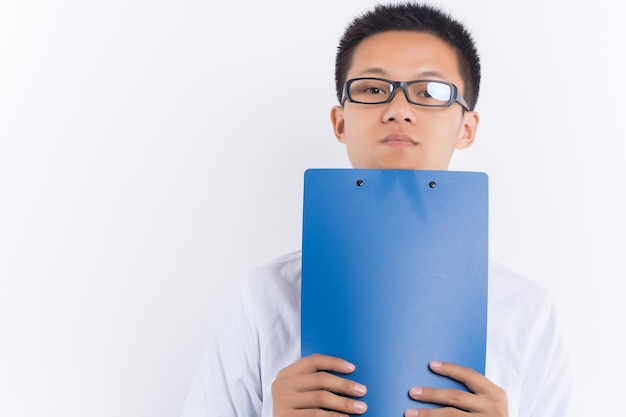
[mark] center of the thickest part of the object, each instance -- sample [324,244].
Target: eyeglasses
[429,93]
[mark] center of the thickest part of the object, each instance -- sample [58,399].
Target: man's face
[398,134]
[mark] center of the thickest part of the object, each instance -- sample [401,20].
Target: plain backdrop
[151,151]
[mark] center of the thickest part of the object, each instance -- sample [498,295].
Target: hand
[306,388]
[485,399]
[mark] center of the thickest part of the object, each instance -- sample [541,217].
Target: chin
[396,162]
[413,165]
[407,165]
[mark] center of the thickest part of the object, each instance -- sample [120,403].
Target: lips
[399,139]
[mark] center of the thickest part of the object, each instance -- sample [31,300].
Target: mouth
[399,139]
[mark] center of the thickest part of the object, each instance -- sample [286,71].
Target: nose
[399,109]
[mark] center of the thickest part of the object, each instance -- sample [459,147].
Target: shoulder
[526,353]
[273,284]
[507,287]
[519,308]
[284,266]
[279,272]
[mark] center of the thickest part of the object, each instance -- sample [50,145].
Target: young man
[407,81]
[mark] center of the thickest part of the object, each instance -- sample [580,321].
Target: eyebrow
[381,72]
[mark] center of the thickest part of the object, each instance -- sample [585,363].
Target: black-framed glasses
[429,93]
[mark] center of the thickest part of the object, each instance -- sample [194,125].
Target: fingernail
[350,366]
[416,391]
[435,364]
[360,389]
[360,406]
[411,413]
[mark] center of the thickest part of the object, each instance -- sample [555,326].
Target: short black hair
[412,17]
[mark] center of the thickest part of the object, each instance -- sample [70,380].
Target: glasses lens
[369,90]
[430,93]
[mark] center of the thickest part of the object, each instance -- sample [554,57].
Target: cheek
[446,130]
[352,130]
[359,124]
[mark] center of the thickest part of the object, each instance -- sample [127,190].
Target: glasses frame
[455,96]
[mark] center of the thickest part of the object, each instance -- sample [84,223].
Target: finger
[311,413]
[484,396]
[318,362]
[435,412]
[447,397]
[329,401]
[323,381]
[473,380]
[316,403]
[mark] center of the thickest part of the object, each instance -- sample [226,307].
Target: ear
[467,133]
[338,122]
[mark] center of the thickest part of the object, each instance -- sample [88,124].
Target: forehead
[404,56]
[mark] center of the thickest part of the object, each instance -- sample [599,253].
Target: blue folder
[394,275]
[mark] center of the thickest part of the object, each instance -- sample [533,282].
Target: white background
[150,151]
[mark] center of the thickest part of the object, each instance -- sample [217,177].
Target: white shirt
[260,335]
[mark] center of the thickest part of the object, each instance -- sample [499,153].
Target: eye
[370,87]
[374,90]
[369,90]
[430,92]
[422,91]
[438,91]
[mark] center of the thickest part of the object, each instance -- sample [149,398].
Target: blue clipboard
[394,275]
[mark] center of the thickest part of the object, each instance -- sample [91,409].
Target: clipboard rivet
[432,184]
[359,183]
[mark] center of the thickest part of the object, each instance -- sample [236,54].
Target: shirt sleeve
[549,379]
[228,383]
